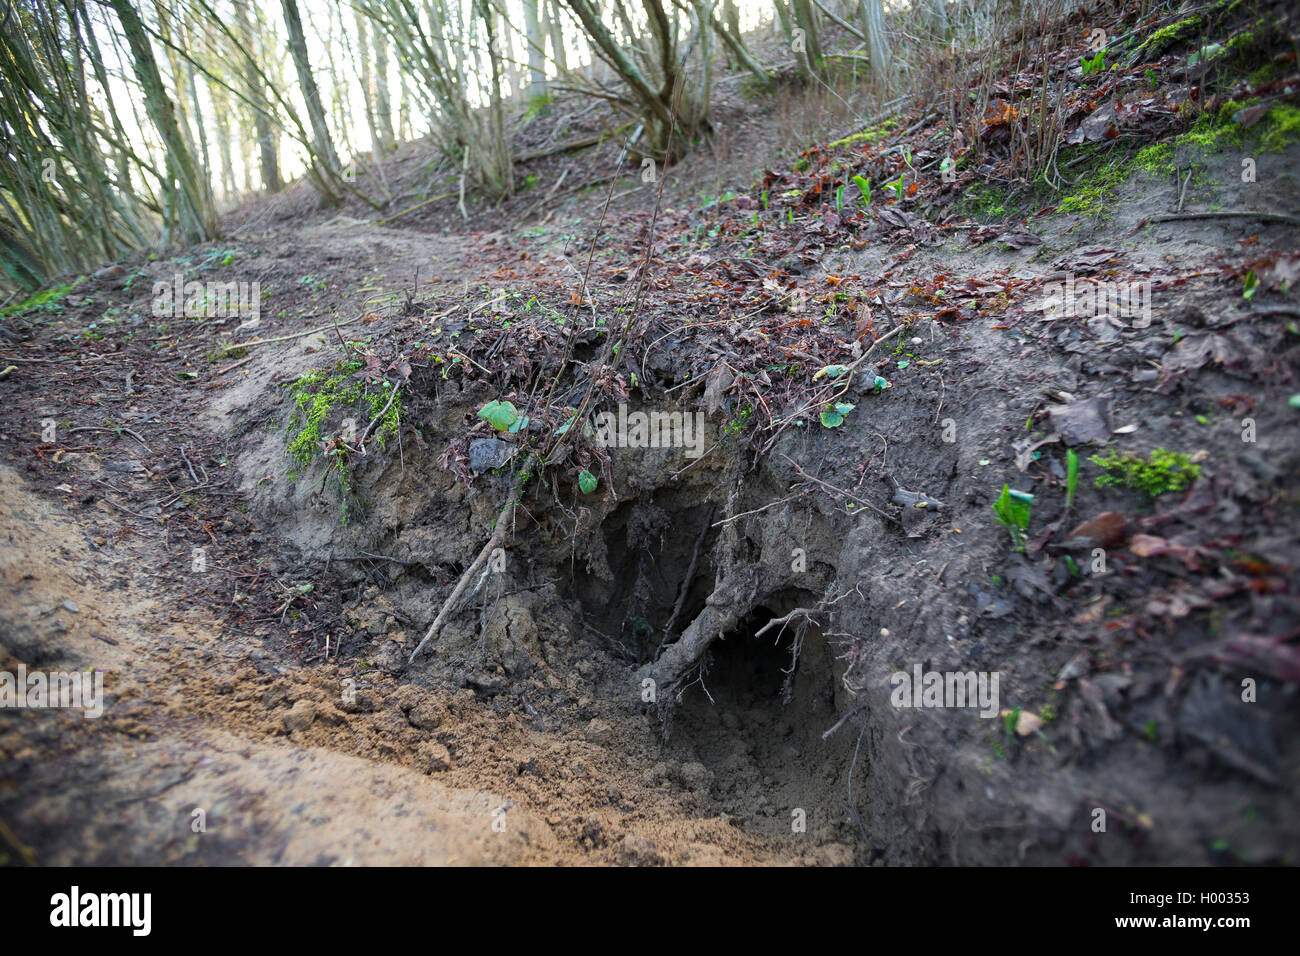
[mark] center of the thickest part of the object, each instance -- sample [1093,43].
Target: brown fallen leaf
[1027,723]
[1094,610]
[1103,531]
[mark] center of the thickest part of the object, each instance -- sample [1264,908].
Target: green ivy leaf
[834,371]
[833,417]
[587,482]
[500,415]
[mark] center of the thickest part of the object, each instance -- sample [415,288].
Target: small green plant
[587,482]
[1159,473]
[739,422]
[1010,720]
[1095,65]
[218,257]
[867,136]
[1251,285]
[1071,477]
[864,188]
[503,416]
[989,202]
[1012,510]
[833,416]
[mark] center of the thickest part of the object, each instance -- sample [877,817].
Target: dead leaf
[1103,531]
[715,384]
[1027,723]
[1082,422]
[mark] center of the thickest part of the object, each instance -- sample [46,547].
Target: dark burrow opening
[632,588]
[765,755]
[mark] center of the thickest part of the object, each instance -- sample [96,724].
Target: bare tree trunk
[555,28]
[266,135]
[383,108]
[367,96]
[939,18]
[783,17]
[731,20]
[811,62]
[404,109]
[97,64]
[742,57]
[873,26]
[220,111]
[194,218]
[536,59]
[323,146]
[501,169]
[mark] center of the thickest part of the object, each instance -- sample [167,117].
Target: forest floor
[253,616]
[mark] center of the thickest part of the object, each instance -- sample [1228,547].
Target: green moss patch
[1160,472]
[1174,33]
[872,135]
[320,396]
[47,300]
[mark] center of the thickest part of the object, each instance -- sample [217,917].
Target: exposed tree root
[498,538]
[728,603]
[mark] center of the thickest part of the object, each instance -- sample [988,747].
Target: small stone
[488,453]
[434,757]
[637,850]
[300,716]
[275,695]
[599,732]
[70,607]
[427,715]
